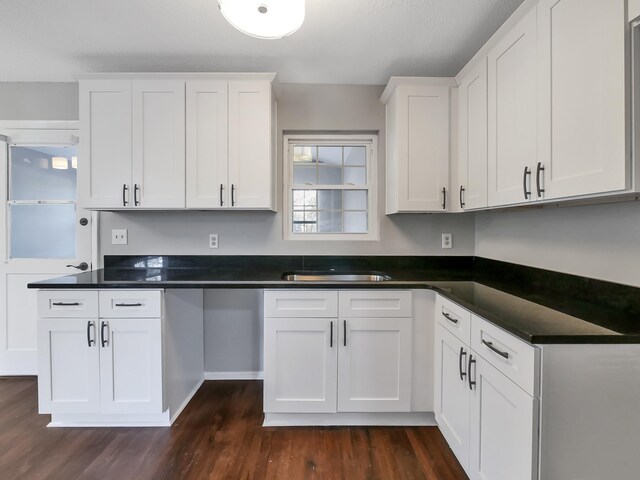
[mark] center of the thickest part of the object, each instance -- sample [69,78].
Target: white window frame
[371,141]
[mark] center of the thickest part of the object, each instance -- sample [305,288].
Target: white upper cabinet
[513,114]
[174,141]
[207,166]
[472,138]
[158,143]
[251,169]
[583,148]
[417,146]
[105,132]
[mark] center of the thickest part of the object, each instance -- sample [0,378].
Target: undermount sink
[310,276]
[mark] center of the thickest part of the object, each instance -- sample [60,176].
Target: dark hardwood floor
[218,436]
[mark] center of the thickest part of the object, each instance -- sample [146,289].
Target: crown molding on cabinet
[416,81]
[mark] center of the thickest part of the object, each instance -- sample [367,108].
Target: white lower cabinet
[504,427]
[300,364]
[337,363]
[101,360]
[489,420]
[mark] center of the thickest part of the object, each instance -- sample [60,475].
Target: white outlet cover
[447,240]
[213,240]
[119,237]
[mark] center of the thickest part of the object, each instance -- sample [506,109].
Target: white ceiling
[341,41]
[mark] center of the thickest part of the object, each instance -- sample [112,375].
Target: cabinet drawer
[127,304]
[300,303]
[454,318]
[66,303]
[516,359]
[371,304]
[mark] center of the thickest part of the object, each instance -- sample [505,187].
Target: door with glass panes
[44,232]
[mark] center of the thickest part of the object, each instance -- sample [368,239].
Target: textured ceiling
[341,41]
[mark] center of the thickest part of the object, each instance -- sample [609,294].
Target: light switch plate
[119,237]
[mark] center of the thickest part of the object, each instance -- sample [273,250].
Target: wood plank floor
[218,436]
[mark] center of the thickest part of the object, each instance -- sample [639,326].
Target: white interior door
[42,233]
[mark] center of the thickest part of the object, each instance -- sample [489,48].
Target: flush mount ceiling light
[270,19]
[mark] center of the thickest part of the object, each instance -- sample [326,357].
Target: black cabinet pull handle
[539,170]
[66,304]
[472,383]
[124,195]
[331,335]
[103,337]
[450,318]
[136,189]
[90,341]
[462,204]
[81,266]
[128,304]
[527,193]
[461,363]
[221,201]
[494,349]
[233,196]
[344,337]
[444,198]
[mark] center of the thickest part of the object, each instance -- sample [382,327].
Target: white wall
[598,241]
[38,101]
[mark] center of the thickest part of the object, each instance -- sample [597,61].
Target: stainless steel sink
[335,277]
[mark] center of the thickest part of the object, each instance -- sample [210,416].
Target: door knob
[82,266]
[84,222]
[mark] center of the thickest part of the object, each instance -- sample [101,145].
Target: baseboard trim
[346,419]
[257,375]
[107,420]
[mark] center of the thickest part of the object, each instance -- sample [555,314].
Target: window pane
[330,199]
[329,175]
[355,222]
[304,175]
[302,153]
[330,156]
[355,176]
[43,231]
[310,199]
[43,173]
[298,198]
[355,156]
[329,222]
[355,199]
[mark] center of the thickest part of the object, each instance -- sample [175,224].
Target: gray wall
[300,107]
[598,241]
[38,101]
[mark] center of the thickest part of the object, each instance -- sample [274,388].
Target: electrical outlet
[447,240]
[119,237]
[213,240]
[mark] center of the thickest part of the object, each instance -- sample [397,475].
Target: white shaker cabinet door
[452,393]
[513,104]
[251,165]
[207,174]
[130,365]
[104,166]
[473,135]
[418,149]
[374,365]
[68,365]
[158,144]
[504,427]
[583,147]
[300,365]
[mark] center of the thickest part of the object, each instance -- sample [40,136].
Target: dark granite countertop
[536,305]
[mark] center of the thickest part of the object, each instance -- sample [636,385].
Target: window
[330,187]
[42,201]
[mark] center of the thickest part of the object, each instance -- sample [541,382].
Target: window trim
[369,139]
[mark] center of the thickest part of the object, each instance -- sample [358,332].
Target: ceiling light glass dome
[269,19]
